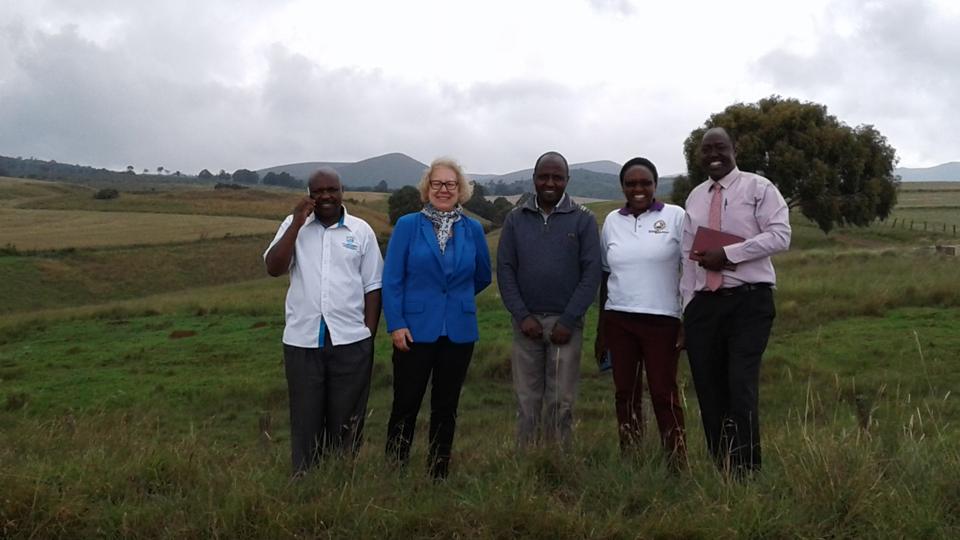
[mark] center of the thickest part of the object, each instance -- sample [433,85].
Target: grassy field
[39,230]
[135,382]
[274,204]
[933,206]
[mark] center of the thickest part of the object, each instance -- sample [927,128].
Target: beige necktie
[715,279]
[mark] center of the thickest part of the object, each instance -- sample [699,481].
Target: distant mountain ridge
[593,179]
[947,172]
[395,168]
[301,171]
[602,167]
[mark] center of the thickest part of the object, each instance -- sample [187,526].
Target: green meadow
[142,395]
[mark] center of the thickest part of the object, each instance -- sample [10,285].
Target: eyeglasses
[437,184]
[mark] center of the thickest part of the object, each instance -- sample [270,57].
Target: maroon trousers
[638,342]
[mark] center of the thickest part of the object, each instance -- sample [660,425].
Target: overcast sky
[188,84]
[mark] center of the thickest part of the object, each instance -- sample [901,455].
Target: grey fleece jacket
[549,266]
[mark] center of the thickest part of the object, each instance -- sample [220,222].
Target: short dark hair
[733,140]
[548,154]
[633,162]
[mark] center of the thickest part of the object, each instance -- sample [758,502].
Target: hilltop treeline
[39,169]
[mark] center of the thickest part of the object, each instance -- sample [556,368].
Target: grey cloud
[896,70]
[148,96]
[71,100]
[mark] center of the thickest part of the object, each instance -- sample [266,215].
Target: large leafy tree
[835,174]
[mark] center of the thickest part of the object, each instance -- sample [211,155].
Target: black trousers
[328,390]
[445,364]
[725,337]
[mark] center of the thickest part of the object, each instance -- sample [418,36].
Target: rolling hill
[602,167]
[301,171]
[396,168]
[946,172]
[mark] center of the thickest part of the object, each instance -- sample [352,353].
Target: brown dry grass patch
[36,230]
[266,203]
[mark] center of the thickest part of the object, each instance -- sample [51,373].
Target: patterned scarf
[442,222]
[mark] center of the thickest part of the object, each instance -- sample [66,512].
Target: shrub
[106,193]
[225,185]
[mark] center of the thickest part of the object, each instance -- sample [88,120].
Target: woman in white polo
[639,322]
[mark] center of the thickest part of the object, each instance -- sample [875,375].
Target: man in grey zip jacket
[548,271]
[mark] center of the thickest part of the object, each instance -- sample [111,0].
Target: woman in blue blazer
[437,261]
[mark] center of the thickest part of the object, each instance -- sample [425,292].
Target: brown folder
[706,239]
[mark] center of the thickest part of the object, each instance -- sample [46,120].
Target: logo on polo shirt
[351,243]
[660,227]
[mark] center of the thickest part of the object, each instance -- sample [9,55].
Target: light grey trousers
[545,378]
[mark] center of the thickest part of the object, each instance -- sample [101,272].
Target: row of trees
[283,179]
[248,177]
[65,172]
[161,170]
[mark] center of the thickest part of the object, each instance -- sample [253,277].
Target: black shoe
[439,469]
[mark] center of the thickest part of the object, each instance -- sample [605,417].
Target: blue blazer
[419,295]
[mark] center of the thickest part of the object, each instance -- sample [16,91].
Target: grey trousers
[545,378]
[328,390]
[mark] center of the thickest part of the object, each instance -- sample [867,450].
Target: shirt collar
[655,206]
[536,201]
[727,180]
[342,222]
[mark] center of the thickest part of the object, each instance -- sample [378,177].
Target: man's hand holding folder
[708,246]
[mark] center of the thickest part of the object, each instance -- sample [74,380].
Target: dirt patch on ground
[180,334]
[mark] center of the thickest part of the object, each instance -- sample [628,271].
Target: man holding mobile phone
[332,313]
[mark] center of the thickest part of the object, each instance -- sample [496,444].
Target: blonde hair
[464,187]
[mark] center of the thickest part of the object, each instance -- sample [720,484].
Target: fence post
[911,224]
[894,223]
[924,225]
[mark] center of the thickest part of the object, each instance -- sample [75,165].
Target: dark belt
[730,291]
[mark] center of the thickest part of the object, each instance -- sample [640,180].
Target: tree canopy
[404,201]
[835,174]
[246,176]
[478,203]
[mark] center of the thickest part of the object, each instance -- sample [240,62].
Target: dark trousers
[643,342]
[328,390]
[445,364]
[725,337]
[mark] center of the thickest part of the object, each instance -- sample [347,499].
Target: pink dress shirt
[753,209]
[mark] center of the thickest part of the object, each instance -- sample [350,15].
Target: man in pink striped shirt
[728,298]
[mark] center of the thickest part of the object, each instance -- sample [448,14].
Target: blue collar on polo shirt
[340,223]
[343,213]
[655,206]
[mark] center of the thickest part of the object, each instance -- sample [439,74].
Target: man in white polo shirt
[332,312]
